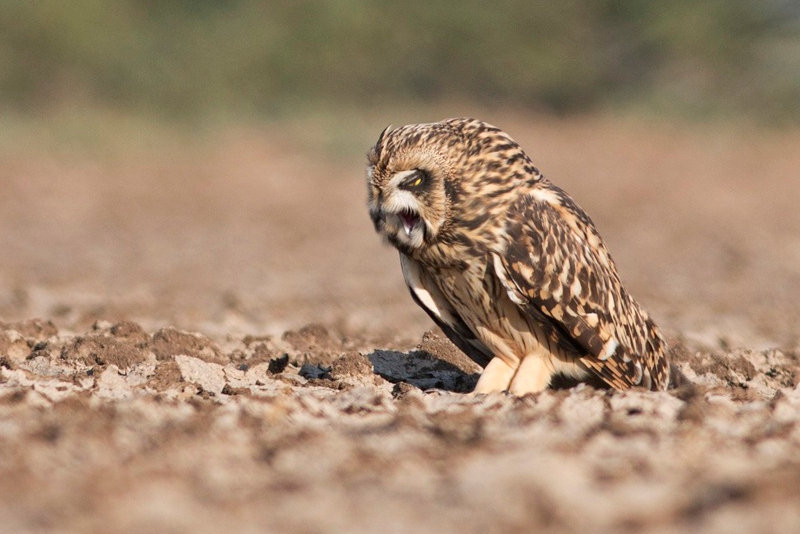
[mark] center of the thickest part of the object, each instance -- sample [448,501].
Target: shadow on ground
[421,369]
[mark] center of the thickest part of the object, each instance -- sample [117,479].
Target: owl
[511,269]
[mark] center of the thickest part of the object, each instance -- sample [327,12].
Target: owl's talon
[496,377]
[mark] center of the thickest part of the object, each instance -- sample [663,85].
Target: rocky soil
[206,337]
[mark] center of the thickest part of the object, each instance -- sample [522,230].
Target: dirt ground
[207,336]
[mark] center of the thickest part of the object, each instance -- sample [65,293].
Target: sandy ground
[205,336]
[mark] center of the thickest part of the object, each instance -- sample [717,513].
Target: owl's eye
[416,180]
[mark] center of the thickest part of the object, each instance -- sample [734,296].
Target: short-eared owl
[505,262]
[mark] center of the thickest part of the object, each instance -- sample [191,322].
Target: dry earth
[207,336]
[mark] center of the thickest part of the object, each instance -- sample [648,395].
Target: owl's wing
[557,269]
[428,297]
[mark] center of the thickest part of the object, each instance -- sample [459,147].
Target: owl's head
[442,182]
[409,173]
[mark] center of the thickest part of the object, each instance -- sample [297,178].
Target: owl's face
[406,208]
[406,191]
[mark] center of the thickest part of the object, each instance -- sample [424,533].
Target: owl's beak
[410,220]
[404,229]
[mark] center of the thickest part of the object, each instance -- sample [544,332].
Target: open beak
[410,220]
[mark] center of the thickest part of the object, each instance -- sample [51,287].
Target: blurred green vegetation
[192,58]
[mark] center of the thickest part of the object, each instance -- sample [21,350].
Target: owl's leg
[496,376]
[532,376]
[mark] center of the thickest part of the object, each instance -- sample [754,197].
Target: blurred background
[200,163]
[197,58]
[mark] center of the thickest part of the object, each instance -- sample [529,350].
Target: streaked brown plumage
[510,268]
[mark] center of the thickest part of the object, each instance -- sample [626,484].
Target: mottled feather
[506,263]
[427,296]
[585,297]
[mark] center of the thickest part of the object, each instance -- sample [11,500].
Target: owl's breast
[479,297]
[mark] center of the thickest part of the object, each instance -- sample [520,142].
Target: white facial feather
[395,180]
[398,200]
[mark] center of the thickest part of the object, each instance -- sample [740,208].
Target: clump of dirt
[354,368]
[169,342]
[313,344]
[35,329]
[166,376]
[279,364]
[735,368]
[440,348]
[130,332]
[102,350]
[351,365]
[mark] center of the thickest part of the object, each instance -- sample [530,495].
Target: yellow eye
[417,182]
